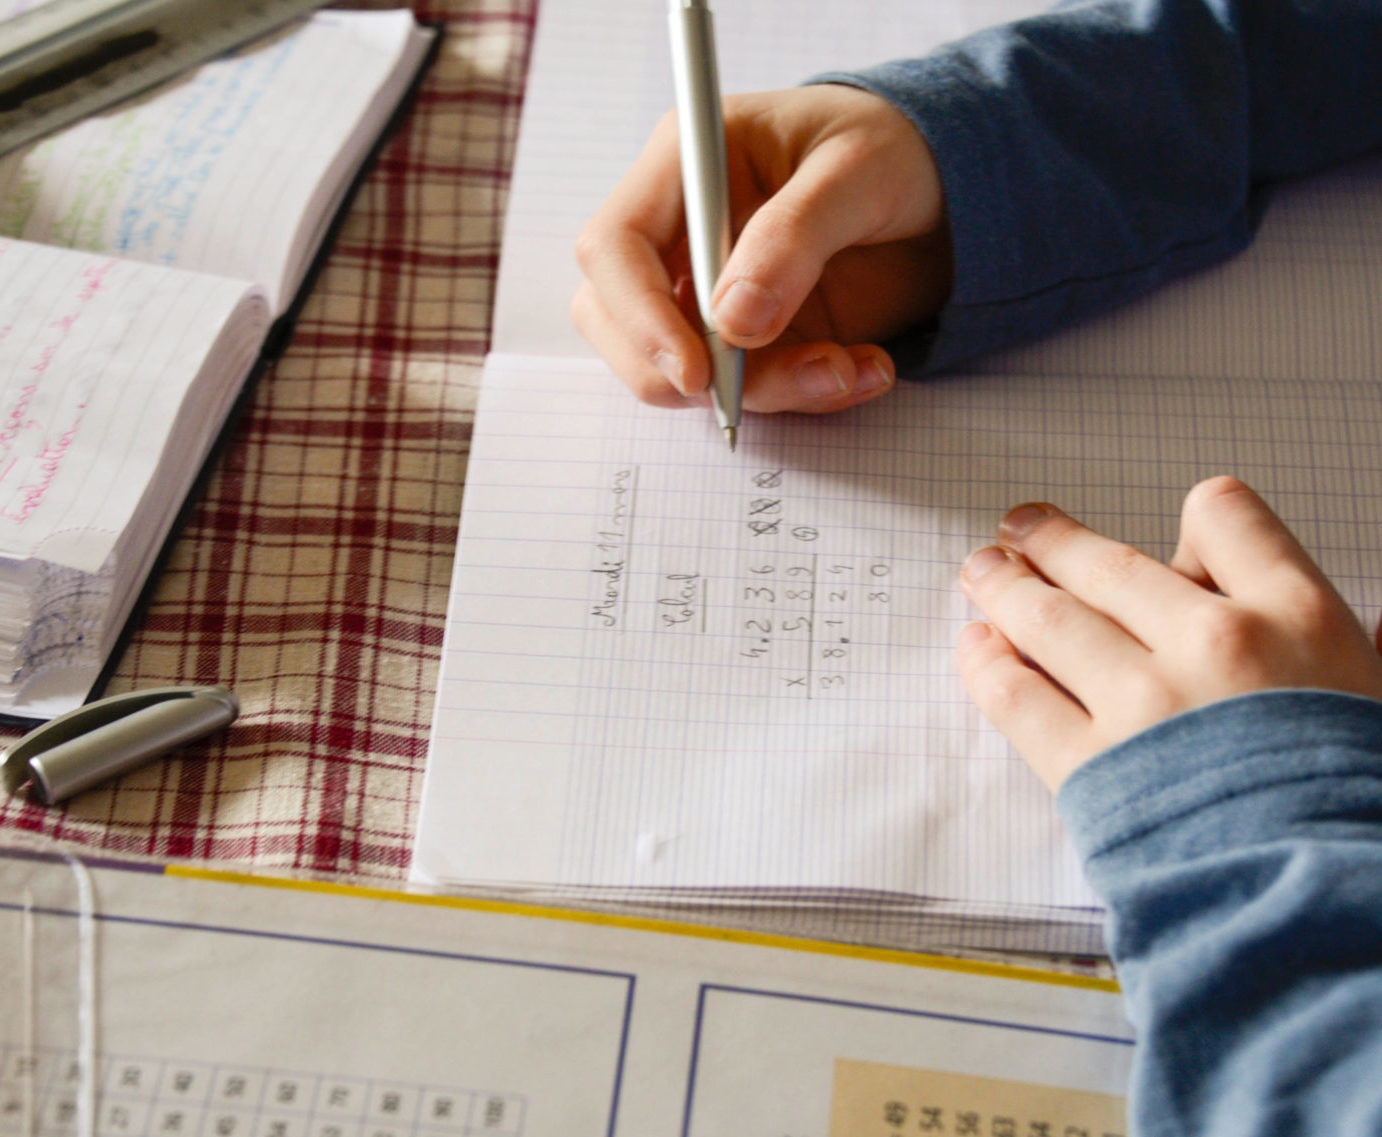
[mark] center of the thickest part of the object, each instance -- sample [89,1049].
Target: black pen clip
[105,738]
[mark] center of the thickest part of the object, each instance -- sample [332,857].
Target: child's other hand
[1090,641]
[841,243]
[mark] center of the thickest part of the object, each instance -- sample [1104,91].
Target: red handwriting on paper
[17,417]
[94,279]
[31,448]
[46,467]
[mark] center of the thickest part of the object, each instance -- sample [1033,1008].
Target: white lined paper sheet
[115,378]
[97,357]
[665,669]
[674,673]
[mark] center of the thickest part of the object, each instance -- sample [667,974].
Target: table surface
[312,575]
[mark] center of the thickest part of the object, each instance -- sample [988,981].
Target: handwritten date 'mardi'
[612,543]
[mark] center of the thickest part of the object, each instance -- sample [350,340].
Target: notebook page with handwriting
[115,377]
[96,358]
[667,670]
[231,170]
[676,672]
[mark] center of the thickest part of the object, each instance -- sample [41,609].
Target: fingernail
[1024,518]
[816,379]
[982,561]
[746,309]
[670,366]
[972,635]
[871,377]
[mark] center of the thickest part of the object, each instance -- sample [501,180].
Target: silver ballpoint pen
[705,184]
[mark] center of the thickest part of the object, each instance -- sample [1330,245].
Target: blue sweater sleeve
[1239,851]
[1091,153]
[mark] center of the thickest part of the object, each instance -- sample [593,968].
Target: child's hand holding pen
[840,243]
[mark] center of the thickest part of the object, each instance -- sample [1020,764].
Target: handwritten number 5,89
[827,682]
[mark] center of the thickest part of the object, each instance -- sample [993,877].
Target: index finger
[1231,539]
[1122,582]
[624,251]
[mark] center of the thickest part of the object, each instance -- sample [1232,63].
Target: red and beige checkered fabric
[312,577]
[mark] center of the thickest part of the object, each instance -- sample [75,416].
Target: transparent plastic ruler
[62,60]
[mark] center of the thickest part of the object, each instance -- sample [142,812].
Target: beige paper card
[870,1099]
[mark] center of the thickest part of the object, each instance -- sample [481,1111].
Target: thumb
[779,256]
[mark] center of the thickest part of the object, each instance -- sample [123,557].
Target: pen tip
[730,437]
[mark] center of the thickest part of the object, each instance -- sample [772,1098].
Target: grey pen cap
[104,739]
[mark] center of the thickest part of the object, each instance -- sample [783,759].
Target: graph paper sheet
[670,669]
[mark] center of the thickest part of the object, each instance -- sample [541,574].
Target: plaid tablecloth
[312,578]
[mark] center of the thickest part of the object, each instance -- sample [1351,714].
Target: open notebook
[145,255]
[675,675]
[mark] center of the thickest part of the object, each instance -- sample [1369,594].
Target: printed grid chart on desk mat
[156,1097]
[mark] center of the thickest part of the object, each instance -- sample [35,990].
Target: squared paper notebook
[674,675]
[148,257]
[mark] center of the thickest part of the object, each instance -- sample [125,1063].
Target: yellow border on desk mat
[667,927]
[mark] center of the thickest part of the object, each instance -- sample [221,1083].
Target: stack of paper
[116,378]
[145,254]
